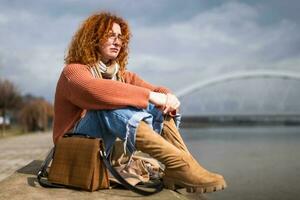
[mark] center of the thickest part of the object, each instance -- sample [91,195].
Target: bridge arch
[238,75]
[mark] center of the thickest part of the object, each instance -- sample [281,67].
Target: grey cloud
[276,10]
[141,13]
[228,36]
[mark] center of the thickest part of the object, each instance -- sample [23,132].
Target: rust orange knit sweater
[77,90]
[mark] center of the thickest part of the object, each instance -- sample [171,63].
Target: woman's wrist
[158,99]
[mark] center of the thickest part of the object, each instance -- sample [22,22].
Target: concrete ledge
[23,185]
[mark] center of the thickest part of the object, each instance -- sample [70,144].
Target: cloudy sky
[175,43]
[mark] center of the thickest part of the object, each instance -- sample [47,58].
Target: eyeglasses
[113,36]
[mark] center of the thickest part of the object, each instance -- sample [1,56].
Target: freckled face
[111,48]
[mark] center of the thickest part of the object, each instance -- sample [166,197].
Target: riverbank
[239,120]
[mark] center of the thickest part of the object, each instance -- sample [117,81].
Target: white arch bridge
[281,74]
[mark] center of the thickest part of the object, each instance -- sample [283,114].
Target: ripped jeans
[121,123]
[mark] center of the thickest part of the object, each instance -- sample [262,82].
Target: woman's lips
[114,50]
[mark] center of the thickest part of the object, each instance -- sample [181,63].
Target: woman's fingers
[172,101]
[166,109]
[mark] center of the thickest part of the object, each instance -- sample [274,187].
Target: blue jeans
[120,123]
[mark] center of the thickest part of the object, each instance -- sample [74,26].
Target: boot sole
[174,185]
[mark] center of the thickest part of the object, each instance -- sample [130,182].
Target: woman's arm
[83,90]
[134,79]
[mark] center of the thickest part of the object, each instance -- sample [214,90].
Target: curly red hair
[85,45]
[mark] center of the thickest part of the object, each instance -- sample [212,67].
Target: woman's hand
[172,103]
[168,102]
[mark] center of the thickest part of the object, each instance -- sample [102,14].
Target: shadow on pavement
[32,168]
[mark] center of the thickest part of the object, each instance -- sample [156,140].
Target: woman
[96,95]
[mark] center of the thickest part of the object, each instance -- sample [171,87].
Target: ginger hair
[85,44]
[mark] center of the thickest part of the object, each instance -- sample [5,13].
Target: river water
[257,162]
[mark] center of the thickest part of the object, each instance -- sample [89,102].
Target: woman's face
[111,48]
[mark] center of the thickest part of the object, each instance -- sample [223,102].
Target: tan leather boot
[181,169]
[171,133]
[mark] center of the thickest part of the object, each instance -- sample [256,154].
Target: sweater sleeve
[87,92]
[134,79]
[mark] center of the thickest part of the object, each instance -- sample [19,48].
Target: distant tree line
[29,112]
